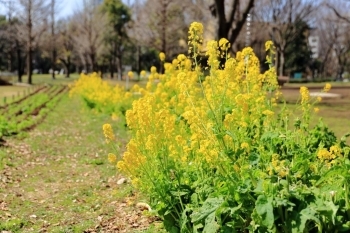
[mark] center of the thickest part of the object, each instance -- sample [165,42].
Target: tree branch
[337,13]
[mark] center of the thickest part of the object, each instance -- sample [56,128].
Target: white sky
[67,7]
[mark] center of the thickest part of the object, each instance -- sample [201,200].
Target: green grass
[335,112]
[47,79]
[319,84]
[12,93]
[9,94]
[60,174]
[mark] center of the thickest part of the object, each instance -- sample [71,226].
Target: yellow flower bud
[162,56]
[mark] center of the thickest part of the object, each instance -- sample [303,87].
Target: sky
[67,7]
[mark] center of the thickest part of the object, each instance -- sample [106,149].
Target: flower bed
[215,152]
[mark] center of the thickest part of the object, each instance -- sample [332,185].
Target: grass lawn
[318,85]
[335,112]
[13,91]
[47,79]
[58,179]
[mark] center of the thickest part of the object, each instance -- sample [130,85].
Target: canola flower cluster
[102,96]
[202,135]
[210,117]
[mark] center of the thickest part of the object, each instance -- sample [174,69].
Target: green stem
[347,199]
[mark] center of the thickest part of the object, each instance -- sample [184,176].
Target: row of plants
[23,101]
[215,150]
[103,97]
[20,97]
[30,111]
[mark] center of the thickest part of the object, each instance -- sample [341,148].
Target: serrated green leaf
[264,208]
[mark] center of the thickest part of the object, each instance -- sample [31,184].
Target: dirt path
[57,179]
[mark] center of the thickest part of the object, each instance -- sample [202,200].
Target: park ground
[56,177]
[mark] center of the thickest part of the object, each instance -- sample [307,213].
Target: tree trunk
[281,64]
[29,64]
[53,52]
[68,67]
[138,60]
[111,66]
[29,42]
[119,67]
[53,67]
[93,62]
[66,64]
[225,29]
[10,61]
[19,62]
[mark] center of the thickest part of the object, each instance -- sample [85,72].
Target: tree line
[105,37]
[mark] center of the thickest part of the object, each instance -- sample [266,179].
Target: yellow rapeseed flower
[195,30]
[305,96]
[327,87]
[324,154]
[181,57]
[224,44]
[268,112]
[195,37]
[269,45]
[335,150]
[153,69]
[108,132]
[130,74]
[245,146]
[112,158]
[143,74]
[162,56]
[212,54]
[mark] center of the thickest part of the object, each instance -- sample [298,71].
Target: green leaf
[269,136]
[194,199]
[345,227]
[254,158]
[184,220]
[264,208]
[209,206]
[210,224]
[170,224]
[328,209]
[335,170]
[307,214]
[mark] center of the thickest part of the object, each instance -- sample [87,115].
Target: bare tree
[339,8]
[89,24]
[335,27]
[231,17]
[53,11]
[163,24]
[285,19]
[10,36]
[65,44]
[33,14]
